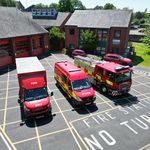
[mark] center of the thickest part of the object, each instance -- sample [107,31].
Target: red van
[33,87]
[74,82]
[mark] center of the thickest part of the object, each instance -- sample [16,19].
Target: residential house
[111,26]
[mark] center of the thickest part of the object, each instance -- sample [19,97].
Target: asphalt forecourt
[111,123]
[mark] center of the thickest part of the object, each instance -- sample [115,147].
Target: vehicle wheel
[104,89]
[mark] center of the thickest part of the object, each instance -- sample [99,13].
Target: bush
[89,41]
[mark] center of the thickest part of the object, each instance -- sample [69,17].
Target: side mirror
[52,93]
[21,101]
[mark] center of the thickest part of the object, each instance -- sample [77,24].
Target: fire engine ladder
[89,61]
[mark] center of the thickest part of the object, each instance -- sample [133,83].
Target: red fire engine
[110,77]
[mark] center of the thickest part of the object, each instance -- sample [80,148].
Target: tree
[139,15]
[98,7]
[77,4]
[65,6]
[55,37]
[8,3]
[41,6]
[146,38]
[109,6]
[54,5]
[89,41]
[70,5]
[125,8]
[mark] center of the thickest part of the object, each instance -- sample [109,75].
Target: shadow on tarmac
[40,120]
[5,69]
[122,100]
[80,109]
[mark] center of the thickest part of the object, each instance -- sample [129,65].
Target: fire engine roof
[72,71]
[28,65]
[111,66]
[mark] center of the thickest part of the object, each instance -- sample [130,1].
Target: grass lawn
[141,58]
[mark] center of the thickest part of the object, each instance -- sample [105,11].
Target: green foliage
[142,57]
[77,4]
[54,5]
[146,38]
[98,7]
[41,6]
[139,15]
[89,41]
[8,3]
[70,5]
[109,6]
[65,6]
[56,35]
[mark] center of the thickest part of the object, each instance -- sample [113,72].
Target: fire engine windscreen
[35,94]
[81,84]
[123,77]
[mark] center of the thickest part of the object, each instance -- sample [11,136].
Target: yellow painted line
[146,147]
[9,108]
[8,139]
[104,100]
[26,140]
[94,114]
[65,117]
[141,83]
[79,136]
[13,96]
[37,134]
[9,88]
[58,112]
[5,112]
[139,92]
[55,132]
[44,135]
[13,122]
[67,124]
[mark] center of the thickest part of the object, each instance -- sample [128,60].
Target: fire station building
[111,26]
[20,36]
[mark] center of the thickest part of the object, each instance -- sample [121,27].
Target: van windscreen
[81,84]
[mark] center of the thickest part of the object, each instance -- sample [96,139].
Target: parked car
[118,59]
[78,52]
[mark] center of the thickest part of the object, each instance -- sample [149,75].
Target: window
[100,71]
[5,49]
[116,42]
[22,46]
[71,46]
[117,33]
[110,76]
[72,31]
[37,42]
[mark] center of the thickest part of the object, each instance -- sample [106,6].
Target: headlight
[78,99]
